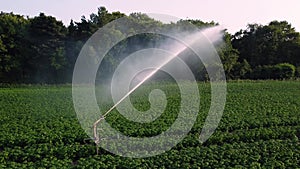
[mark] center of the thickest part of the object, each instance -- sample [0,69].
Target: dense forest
[43,50]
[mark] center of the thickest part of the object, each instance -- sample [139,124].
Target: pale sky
[231,14]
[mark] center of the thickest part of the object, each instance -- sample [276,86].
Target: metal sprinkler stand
[96,136]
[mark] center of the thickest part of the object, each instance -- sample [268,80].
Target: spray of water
[179,51]
[213,34]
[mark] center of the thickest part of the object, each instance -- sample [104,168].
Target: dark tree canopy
[13,45]
[47,36]
[43,50]
[271,44]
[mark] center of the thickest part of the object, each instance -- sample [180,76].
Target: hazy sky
[232,14]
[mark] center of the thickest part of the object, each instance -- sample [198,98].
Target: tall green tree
[80,32]
[47,37]
[13,47]
[229,56]
[271,44]
[103,17]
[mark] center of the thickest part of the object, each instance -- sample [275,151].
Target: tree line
[43,50]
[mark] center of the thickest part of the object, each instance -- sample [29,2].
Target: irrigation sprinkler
[151,73]
[191,41]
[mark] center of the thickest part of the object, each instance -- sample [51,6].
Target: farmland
[260,128]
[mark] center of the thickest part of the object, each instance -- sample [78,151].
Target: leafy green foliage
[297,73]
[278,71]
[47,39]
[285,70]
[43,50]
[260,128]
[277,42]
[229,57]
[12,46]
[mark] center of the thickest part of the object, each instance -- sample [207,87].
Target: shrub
[241,70]
[279,71]
[263,72]
[284,71]
[297,73]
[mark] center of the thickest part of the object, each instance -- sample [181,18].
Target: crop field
[260,128]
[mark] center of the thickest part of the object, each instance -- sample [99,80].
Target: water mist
[170,55]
